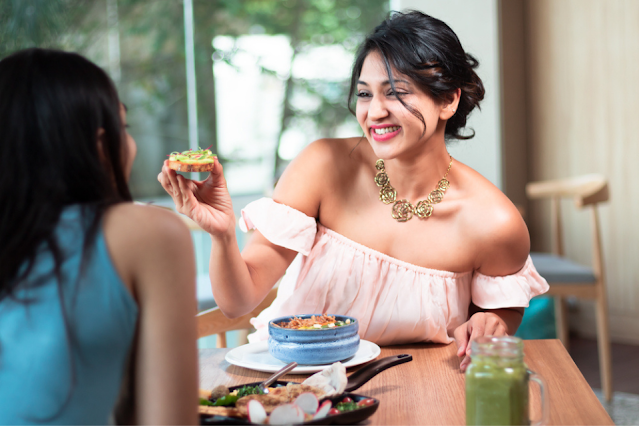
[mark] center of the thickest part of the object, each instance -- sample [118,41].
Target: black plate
[355,381]
[345,418]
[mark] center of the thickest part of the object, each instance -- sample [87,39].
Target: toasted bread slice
[201,160]
[184,167]
[219,411]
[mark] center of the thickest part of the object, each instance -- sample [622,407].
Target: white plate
[255,356]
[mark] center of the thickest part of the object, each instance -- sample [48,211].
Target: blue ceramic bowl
[319,346]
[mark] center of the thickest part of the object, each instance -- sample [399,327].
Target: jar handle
[545,404]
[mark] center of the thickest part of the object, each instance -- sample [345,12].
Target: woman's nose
[377,108]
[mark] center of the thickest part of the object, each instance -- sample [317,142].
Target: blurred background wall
[582,94]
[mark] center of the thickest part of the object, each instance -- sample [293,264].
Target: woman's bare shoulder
[143,221]
[139,235]
[321,165]
[494,225]
[332,152]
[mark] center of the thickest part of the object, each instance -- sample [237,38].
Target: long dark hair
[52,105]
[427,51]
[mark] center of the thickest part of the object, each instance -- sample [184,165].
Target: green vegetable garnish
[229,399]
[249,390]
[200,156]
[205,402]
[346,406]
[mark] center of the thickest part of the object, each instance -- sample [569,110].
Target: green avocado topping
[200,156]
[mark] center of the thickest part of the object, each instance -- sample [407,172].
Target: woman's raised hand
[207,202]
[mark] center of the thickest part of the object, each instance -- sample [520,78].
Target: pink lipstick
[384,132]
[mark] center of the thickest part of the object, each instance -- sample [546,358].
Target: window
[271,75]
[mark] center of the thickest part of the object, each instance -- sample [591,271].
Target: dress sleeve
[280,224]
[509,291]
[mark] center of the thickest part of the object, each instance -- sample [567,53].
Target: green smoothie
[496,391]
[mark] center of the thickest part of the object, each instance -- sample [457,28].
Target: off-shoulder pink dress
[395,302]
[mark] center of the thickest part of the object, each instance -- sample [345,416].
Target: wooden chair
[567,278]
[213,321]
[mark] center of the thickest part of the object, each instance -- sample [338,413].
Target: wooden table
[430,389]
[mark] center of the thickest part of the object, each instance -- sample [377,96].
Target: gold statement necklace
[403,210]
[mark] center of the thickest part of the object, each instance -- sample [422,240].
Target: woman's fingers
[217,169]
[172,175]
[168,180]
[491,327]
[480,324]
[163,178]
[500,330]
[464,363]
[461,337]
[187,199]
[478,328]
[216,176]
[485,324]
[168,187]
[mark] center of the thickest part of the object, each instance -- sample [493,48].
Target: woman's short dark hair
[52,106]
[427,51]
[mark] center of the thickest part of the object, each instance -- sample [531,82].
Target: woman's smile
[384,132]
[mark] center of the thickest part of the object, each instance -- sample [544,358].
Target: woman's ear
[449,107]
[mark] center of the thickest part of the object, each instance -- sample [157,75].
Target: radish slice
[308,402]
[287,414]
[256,412]
[323,410]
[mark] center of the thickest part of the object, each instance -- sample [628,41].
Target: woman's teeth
[385,130]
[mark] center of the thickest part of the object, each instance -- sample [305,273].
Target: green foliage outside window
[151,59]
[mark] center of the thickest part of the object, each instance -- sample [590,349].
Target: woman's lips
[385,132]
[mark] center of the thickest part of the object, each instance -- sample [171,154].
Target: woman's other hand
[490,323]
[207,202]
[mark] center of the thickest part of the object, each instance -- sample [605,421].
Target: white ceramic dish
[255,356]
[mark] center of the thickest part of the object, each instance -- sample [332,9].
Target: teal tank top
[39,363]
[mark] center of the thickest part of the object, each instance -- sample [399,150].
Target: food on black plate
[290,404]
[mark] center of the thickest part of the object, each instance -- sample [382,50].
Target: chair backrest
[213,321]
[586,191]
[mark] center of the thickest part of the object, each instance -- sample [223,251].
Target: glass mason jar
[497,383]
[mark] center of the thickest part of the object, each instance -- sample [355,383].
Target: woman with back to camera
[89,282]
[392,230]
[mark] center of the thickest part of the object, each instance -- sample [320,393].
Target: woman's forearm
[233,288]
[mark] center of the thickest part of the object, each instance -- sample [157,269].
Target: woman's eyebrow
[125,107]
[396,81]
[385,82]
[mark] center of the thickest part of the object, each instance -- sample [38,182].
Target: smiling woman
[437,65]
[456,272]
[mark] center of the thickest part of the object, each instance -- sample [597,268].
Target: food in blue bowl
[313,339]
